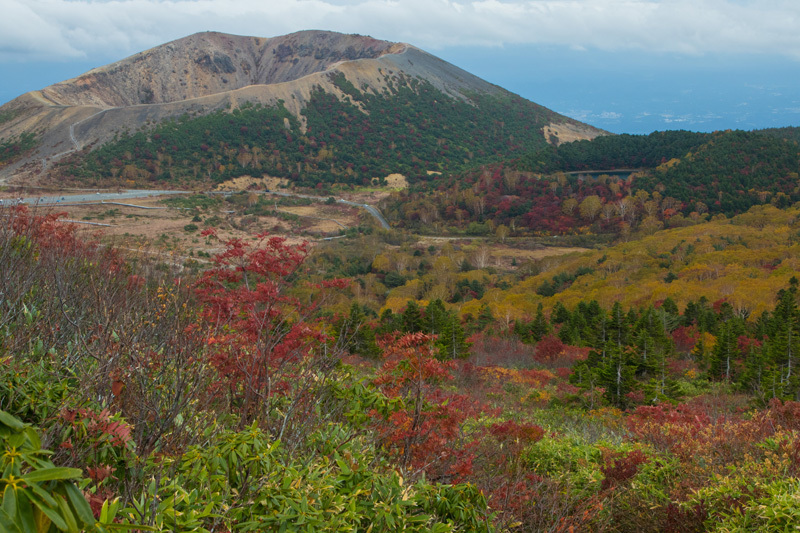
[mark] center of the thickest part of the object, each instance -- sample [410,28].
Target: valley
[323,282]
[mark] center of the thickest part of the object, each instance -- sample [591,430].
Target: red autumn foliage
[493,351]
[426,434]
[747,344]
[548,349]
[99,426]
[257,331]
[685,338]
[552,352]
[783,414]
[619,467]
[511,431]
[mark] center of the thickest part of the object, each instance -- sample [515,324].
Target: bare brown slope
[210,71]
[210,63]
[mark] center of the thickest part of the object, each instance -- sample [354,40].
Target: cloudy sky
[625,65]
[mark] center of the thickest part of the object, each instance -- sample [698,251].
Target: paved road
[99,197]
[89,197]
[371,209]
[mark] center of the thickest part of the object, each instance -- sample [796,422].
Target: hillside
[264,393]
[611,185]
[308,79]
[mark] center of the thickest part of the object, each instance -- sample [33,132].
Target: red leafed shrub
[99,426]
[663,414]
[746,344]
[619,467]
[685,338]
[261,338]
[552,352]
[510,431]
[536,377]
[666,428]
[784,414]
[492,351]
[704,444]
[564,373]
[530,502]
[426,434]
[549,349]
[679,520]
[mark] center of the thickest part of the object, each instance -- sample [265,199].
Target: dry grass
[165,229]
[244,183]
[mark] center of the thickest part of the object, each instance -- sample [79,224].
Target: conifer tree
[452,340]
[726,350]
[435,317]
[412,321]
[539,327]
[355,333]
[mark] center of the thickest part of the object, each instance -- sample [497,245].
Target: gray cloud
[65,29]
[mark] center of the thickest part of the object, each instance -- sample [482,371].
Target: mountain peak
[208,63]
[212,72]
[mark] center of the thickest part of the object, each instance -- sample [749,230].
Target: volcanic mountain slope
[209,73]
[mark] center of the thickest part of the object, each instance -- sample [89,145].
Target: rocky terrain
[206,72]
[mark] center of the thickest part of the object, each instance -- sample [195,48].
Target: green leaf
[80,504]
[33,437]
[109,511]
[48,474]
[53,515]
[25,511]
[10,500]
[66,514]
[44,495]
[7,524]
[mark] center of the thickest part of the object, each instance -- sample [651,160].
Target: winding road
[75,144]
[101,197]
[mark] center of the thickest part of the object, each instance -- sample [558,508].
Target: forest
[411,128]
[648,385]
[672,179]
[646,378]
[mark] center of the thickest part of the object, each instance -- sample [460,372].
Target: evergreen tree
[412,320]
[618,326]
[539,327]
[617,375]
[452,341]
[726,350]
[435,317]
[485,317]
[560,314]
[388,323]
[355,333]
[783,346]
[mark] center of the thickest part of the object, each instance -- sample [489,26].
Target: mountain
[302,80]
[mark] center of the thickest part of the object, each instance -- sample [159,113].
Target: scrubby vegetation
[410,128]
[16,147]
[267,393]
[673,179]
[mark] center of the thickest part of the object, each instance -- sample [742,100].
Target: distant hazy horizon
[627,67]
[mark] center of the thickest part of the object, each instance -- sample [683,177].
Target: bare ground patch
[178,231]
[244,183]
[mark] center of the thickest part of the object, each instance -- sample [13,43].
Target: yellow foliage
[396,304]
[381,263]
[410,291]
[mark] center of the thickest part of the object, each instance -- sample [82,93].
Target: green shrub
[38,496]
[246,481]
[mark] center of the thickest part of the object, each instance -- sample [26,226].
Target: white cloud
[48,29]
